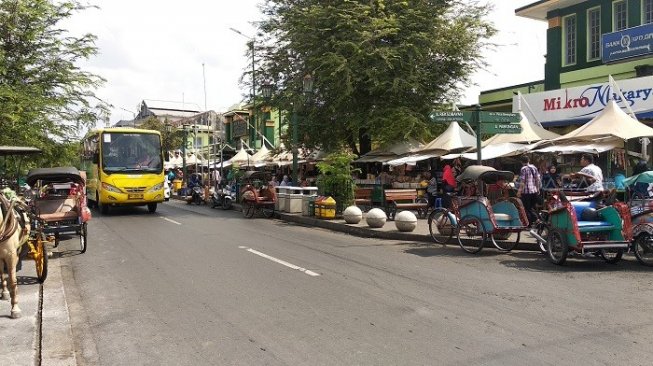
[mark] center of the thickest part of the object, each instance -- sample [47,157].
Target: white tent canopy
[261,155]
[392,152]
[494,151]
[612,121]
[573,148]
[241,158]
[452,139]
[529,133]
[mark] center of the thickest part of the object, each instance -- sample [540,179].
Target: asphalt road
[194,286]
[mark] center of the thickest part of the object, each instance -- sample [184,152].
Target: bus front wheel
[151,207]
[104,209]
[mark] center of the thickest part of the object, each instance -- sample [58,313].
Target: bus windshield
[131,152]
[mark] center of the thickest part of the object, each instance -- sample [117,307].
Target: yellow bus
[124,167]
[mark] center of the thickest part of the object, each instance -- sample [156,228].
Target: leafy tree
[169,140]
[379,66]
[45,98]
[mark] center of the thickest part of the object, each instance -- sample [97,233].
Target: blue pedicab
[475,219]
[640,202]
[592,225]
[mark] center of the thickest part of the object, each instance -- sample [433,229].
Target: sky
[155,50]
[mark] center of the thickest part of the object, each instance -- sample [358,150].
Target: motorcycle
[196,196]
[222,197]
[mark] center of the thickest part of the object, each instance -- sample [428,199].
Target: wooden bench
[363,197]
[404,199]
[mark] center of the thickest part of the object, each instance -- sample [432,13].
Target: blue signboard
[631,42]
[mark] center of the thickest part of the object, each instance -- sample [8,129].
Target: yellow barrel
[318,206]
[177,184]
[329,208]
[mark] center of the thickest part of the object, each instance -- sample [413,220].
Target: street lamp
[183,151]
[251,42]
[307,86]
[266,90]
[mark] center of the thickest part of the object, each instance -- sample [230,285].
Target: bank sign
[566,106]
[628,43]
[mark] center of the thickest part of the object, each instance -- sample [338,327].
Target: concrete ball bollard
[375,218]
[352,215]
[406,221]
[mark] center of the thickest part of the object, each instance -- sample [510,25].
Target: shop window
[647,11]
[619,15]
[570,35]
[594,34]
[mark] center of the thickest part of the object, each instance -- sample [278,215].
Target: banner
[580,104]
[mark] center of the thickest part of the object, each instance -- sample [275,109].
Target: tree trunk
[364,141]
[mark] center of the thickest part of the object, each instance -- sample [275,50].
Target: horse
[14,232]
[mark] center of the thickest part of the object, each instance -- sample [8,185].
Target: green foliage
[335,178]
[169,140]
[45,98]
[379,67]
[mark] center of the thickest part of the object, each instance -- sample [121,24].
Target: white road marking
[277,260]
[169,220]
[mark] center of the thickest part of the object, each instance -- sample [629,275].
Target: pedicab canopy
[611,122]
[530,133]
[484,173]
[54,175]
[645,177]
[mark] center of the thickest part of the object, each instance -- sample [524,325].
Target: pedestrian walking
[529,188]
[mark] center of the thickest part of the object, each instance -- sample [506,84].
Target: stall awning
[494,151]
[410,160]
[581,147]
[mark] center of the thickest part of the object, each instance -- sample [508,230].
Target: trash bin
[294,200]
[328,210]
[282,198]
[318,205]
[308,208]
[176,184]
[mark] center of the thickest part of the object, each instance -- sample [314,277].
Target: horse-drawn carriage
[59,200]
[474,218]
[257,194]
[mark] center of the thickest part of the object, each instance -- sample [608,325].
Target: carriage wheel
[248,209]
[40,256]
[104,209]
[82,237]
[267,211]
[643,248]
[557,247]
[471,235]
[505,245]
[611,256]
[57,238]
[440,226]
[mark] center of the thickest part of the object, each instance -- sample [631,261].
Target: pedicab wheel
[82,237]
[470,230]
[40,256]
[151,207]
[611,256]
[248,209]
[267,212]
[440,226]
[643,248]
[557,247]
[505,245]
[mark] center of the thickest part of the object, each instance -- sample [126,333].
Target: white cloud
[155,50]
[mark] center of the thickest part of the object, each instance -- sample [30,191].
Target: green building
[587,41]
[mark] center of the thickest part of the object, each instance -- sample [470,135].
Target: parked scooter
[196,195]
[222,197]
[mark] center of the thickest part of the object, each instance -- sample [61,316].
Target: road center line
[169,220]
[277,260]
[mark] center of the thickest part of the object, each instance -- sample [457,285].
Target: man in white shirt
[591,173]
